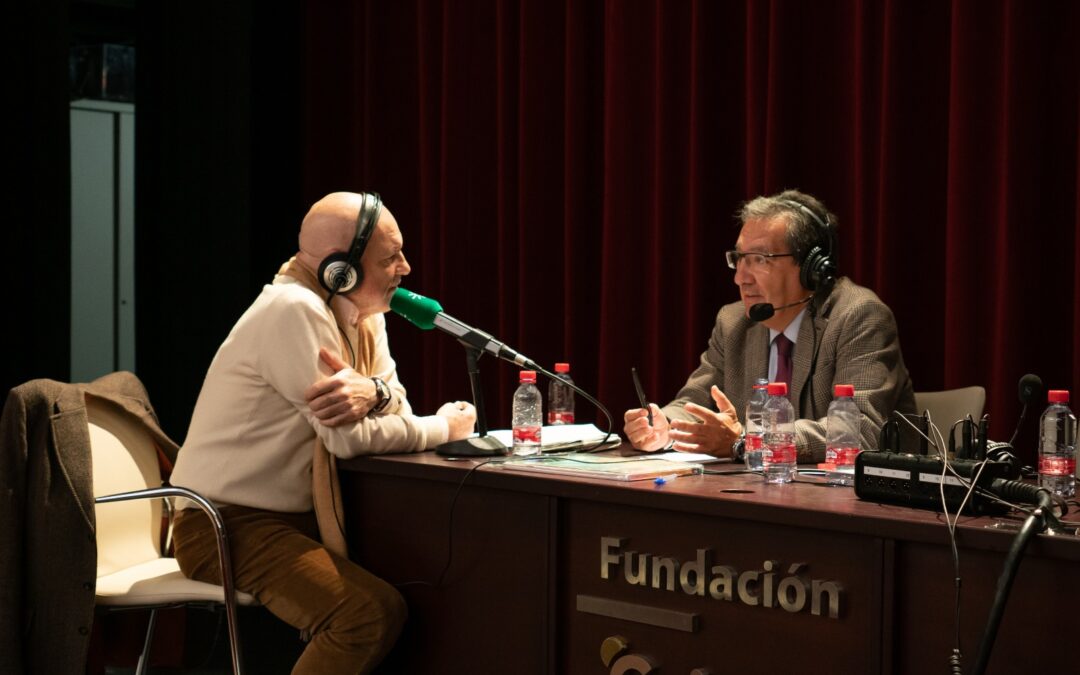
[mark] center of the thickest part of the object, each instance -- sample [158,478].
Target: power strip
[915,481]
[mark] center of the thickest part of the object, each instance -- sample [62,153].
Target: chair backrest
[950,405]
[125,459]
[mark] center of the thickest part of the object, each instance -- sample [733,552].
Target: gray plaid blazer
[857,344]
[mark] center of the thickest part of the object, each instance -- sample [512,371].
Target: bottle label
[779,454]
[560,417]
[754,442]
[841,456]
[526,435]
[1057,465]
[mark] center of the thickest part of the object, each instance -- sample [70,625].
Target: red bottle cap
[777,389]
[843,390]
[527,377]
[562,367]
[1058,396]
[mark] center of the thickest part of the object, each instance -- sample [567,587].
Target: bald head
[329,227]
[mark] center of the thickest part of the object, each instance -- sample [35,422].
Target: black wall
[218,194]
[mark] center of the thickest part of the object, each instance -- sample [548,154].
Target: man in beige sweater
[263,438]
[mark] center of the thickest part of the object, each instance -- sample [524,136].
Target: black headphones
[817,269]
[342,272]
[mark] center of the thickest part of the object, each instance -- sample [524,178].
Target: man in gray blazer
[784,262]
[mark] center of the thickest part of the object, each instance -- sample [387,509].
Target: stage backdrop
[566,174]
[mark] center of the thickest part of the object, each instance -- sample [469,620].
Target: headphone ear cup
[817,271]
[337,275]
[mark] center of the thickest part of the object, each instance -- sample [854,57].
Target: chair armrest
[224,556]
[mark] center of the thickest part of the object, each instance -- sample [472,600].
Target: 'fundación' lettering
[793,592]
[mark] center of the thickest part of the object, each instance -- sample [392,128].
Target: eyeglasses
[753,259]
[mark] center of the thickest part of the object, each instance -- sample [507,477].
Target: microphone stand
[481,445]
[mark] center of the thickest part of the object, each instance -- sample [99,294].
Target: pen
[641,394]
[660,480]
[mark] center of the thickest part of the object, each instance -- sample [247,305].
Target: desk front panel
[1044,598]
[709,621]
[525,592]
[490,614]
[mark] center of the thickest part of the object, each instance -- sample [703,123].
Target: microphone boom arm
[473,337]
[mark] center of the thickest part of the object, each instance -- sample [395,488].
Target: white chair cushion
[159,581]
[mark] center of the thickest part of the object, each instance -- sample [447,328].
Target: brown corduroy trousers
[352,616]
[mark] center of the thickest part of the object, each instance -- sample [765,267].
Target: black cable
[812,311]
[449,531]
[955,665]
[216,639]
[348,343]
[957,585]
[453,501]
[551,376]
[1038,521]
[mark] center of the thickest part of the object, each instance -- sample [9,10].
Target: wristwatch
[382,396]
[738,449]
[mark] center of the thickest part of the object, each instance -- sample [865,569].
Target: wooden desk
[524,592]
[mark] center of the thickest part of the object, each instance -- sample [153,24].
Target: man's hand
[640,434]
[716,432]
[345,397]
[460,418]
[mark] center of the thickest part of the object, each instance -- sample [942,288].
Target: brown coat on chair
[48,552]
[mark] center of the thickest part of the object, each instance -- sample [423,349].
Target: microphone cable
[497,460]
[602,442]
[438,584]
[1038,521]
[812,311]
[955,658]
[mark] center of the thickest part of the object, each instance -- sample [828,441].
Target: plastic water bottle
[755,408]
[528,415]
[842,440]
[561,397]
[1057,445]
[779,458]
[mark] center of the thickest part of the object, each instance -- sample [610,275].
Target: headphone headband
[365,225]
[824,230]
[817,269]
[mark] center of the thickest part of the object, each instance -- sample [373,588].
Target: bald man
[263,438]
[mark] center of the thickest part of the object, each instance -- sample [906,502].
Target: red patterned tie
[783,359]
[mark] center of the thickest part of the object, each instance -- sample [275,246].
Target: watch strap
[382,396]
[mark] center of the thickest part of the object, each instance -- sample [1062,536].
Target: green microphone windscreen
[415,307]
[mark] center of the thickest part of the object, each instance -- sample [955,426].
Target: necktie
[783,359]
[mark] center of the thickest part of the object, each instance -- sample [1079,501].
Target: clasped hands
[714,434]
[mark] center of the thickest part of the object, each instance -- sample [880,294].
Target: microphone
[1030,387]
[427,313]
[764,311]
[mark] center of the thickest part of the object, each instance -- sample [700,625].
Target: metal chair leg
[144,658]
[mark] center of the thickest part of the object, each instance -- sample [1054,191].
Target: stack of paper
[563,437]
[606,467]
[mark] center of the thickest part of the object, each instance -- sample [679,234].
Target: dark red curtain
[566,174]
